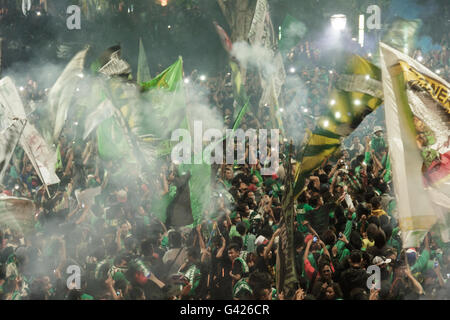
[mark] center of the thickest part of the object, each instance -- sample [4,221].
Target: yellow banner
[438,91]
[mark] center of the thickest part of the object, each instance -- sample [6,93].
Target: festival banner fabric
[418,128]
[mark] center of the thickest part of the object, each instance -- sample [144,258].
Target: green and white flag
[8,142]
[61,94]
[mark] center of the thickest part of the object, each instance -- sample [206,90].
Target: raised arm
[270,244]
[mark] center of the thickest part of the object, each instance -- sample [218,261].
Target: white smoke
[255,56]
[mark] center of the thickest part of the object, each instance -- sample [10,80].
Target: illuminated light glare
[292,70]
[38,13]
[326,123]
[78,89]
[163,3]
[169,26]
[361,30]
[81,75]
[202,77]
[16,187]
[354,39]
[285,140]
[228,74]
[281,109]
[186,80]
[438,71]
[369,55]
[332,102]
[338,21]
[357,102]
[367,77]
[21,88]
[337,115]
[331,71]
[420,58]
[75,123]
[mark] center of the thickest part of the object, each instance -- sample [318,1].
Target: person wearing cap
[377,142]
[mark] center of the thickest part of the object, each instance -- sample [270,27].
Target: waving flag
[357,94]
[8,142]
[61,94]
[417,108]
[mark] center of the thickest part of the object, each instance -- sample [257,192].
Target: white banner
[60,95]
[8,142]
[416,208]
[259,18]
[104,111]
[40,154]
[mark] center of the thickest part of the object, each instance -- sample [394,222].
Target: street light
[338,21]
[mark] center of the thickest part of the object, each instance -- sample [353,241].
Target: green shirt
[421,263]
[240,287]
[233,232]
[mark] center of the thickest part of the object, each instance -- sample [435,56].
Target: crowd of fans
[346,221]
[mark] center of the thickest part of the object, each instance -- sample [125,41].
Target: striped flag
[357,93]
[417,108]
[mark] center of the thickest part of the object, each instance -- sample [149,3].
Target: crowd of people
[346,221]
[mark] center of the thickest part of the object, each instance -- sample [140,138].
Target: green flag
[111,141]
[163,107]
[402,34]
[292,30]
[59,165]
[169,79]
[143,72]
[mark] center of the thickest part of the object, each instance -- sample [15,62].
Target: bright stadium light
[332,102]
[367,77]
[369,54]
[281,110]
[357,102]
[292,70]
[21,88]
[337,115]
[186,80]
[338,21]
[326,123]
[202,77]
